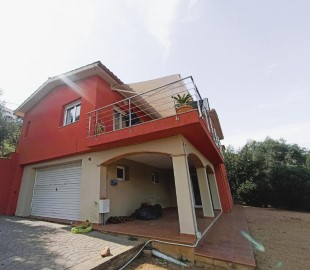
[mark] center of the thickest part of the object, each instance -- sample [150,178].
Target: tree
[271,172]
[9,131]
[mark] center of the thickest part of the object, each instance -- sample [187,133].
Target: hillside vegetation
[271,172]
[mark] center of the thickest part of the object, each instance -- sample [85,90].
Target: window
[120,173]
[119,119]
[72,113]
[155,178]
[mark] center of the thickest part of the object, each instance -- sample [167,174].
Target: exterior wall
[90,185]
[6,176]
[127,196]
[10,175]
[223,188]
[193,150]
[46,137]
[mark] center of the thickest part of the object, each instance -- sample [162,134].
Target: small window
[72,113]
[119,119]
[155,178]
[120,173]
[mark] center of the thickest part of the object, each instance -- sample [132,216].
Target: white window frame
[123,168]
[121,124]
[155,178]
[67,108]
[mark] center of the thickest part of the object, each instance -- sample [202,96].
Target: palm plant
[183,100]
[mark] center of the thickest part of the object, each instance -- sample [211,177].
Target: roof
[96,68]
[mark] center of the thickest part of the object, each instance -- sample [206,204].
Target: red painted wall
[223,187]
[10,180]
[43,134]
[44,137]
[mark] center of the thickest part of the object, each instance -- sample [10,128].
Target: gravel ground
[284,235]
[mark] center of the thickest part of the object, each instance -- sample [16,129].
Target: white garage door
[56,192]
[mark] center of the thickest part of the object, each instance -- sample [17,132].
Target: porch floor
[226,242]
[166,228]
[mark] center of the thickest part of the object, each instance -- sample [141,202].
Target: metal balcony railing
[138,108]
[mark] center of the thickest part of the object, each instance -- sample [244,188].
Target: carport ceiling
[154,160]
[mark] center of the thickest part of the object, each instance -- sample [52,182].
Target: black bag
[150,212]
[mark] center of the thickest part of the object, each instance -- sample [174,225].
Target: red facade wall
[10,180]
[223,187]
[43,134]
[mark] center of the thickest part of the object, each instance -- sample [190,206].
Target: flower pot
[184,108]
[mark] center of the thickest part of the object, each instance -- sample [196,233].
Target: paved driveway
[32,244]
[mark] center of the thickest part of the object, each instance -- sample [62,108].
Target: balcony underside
[188,124]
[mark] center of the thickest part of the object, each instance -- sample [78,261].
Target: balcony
[154,114]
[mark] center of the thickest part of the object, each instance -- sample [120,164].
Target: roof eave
[96,68]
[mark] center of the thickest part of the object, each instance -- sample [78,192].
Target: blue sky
[250,58]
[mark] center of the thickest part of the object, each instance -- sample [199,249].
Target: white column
[103,181]
[187,217]
[205,192]
[214,192]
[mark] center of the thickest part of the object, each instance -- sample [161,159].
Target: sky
[251,58]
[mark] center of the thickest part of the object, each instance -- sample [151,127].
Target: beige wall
[98,170]
[90,185]
[190,149]
[127,196]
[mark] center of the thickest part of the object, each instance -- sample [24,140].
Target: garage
[56,192]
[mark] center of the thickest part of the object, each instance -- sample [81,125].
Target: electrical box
[104,206]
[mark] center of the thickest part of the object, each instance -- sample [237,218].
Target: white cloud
[159,17]
[292,133]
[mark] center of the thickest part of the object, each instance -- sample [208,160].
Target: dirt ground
[284,235]
[147,263]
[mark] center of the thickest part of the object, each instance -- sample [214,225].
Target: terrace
[153,114]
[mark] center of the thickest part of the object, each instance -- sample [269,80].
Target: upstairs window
[72,113]
[119,119]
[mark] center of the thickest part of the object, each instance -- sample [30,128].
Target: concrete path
[32,244]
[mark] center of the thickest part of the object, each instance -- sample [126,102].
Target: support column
[187,217]
[205,192]
[103,182]
[214,192]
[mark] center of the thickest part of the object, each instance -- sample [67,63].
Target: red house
[91,144]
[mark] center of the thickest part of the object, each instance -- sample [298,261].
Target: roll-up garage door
[56,192]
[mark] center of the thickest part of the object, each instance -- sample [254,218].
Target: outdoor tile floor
[166,228]
[33,244]
[225,240]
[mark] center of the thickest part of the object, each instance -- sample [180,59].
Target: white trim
[119,111]
[123,168]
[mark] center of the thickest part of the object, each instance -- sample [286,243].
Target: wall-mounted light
[114,182]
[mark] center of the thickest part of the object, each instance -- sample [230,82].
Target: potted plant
[183,103]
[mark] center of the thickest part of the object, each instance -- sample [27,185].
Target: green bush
[271,172]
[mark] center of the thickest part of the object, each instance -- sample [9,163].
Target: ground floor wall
[99,168]
[10,176]
[127,196]
[89,186]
